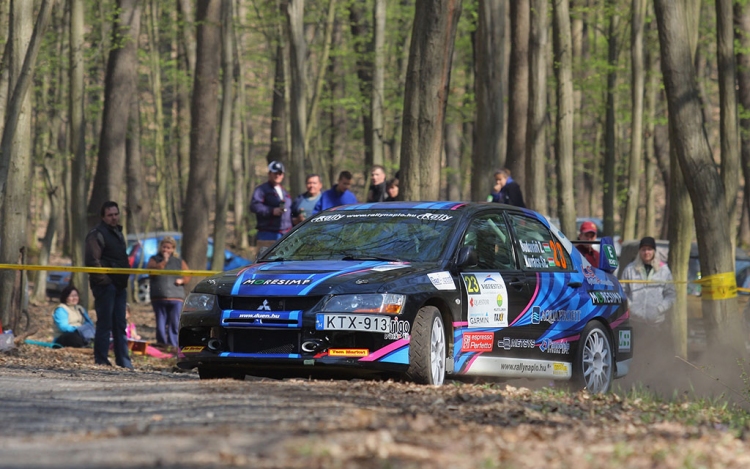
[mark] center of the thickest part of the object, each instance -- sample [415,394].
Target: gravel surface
[60,410]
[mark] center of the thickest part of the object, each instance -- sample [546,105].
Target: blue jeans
[110,303]
[268,235]
[167,320]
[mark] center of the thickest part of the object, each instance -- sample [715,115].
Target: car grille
[276,303]
[263,341]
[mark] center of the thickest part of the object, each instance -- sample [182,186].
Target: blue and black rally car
[421,290]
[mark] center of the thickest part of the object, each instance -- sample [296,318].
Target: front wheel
[427,348]
[593,368]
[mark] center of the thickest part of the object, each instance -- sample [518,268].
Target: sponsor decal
[193,349]
[548,346]
[398,330]
[277,281]
[536,262]
[611,255]
[527,367]
[605,297]
[442,280]
[434,217]
[259,315]
[325,218]
[264,306]
[500,300]
[348,352]
[623,344]
[486,305]
[478,302]
[554,315]
[477,342]
[591,278]
[560,369]
[508,343]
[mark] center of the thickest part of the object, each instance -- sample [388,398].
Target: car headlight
[199,302]
[387,303]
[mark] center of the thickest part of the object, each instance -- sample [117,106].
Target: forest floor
[61,410]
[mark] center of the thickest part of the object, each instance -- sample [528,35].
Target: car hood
[294,278]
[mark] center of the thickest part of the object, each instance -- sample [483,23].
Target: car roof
[432,205]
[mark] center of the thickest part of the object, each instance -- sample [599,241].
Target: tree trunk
[425,97]
[649,227]
[138,203]
[565,116]
[312,115]
[186,65]
[536,149]
[363,47]
[225,137]
[239,137]
[636,124]
[730,139]
[742,29]
[378,84]
[724,326]
[518,90]
[298,87]
[453,160]
[337,116]
[119,87]
[278,150]
[203,143]
[489,62]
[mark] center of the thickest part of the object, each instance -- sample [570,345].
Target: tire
[427,348]
[219,373]
[593,368]
[143,293]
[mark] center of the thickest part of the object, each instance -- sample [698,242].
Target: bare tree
[518,90]
[489,62]
[425,97]
[378,83]
[742,35]
[724,326]
[203,143]
[120,84]
[298,92]
[536,146]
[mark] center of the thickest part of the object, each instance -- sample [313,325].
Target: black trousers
[71,339]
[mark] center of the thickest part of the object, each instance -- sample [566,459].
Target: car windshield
[403,235]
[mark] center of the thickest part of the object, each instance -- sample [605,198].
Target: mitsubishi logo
[265,306]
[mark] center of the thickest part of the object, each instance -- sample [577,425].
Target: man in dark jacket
[509,192]
[271,205]
[106,247]
[337,195]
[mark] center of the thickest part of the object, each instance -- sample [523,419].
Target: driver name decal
[486,303]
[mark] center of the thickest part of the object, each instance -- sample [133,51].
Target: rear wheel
[427,348]
[593,368]
[219,373]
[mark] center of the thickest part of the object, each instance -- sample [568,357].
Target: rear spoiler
[607,255]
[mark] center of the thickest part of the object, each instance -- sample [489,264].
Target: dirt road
[99,417]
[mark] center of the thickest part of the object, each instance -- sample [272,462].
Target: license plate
[352,322]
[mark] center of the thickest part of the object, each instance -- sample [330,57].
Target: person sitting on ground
[337,195]
[133,336]
[72,325]
[391,187]
[588,233]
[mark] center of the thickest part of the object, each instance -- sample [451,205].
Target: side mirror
[467,257]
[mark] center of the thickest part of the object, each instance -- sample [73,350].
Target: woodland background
[174,108]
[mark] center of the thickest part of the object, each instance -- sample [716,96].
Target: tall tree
[378,83]
[610,169]
[426,96]
[203,142]
[724,326]
[638,79]
[518,90]
[565,115]
[489,61]
[742,21]
[120,85]
[536,147]
[298,92]
[362,37]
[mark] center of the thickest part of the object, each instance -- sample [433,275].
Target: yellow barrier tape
[719,286]
[109,270]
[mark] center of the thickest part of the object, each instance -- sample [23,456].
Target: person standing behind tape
[650,302]
[105,247]
[167,292]
[271,204]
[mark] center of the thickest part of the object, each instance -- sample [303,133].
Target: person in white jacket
[651,302]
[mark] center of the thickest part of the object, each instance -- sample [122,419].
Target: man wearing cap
[650,302]
[271,205]
[588,233]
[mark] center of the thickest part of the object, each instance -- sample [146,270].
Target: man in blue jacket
[271,204]
[337,195]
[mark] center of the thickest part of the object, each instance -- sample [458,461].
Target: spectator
[167,291]
[649,302]
[270,205]
[337,195]
[105,247]
[587,232]
[507,190]
[391,187]
[377,184]
[304,204]
[134,340]
[72,325]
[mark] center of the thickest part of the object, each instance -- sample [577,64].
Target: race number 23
[558,254]
[472,285]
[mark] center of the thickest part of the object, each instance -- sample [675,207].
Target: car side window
[537,249]
[489,236]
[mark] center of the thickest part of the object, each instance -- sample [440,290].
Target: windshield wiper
[350,257]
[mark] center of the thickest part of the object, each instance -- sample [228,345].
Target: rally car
[417,290]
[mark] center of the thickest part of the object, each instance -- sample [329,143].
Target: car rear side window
[537,249]
[489,236]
